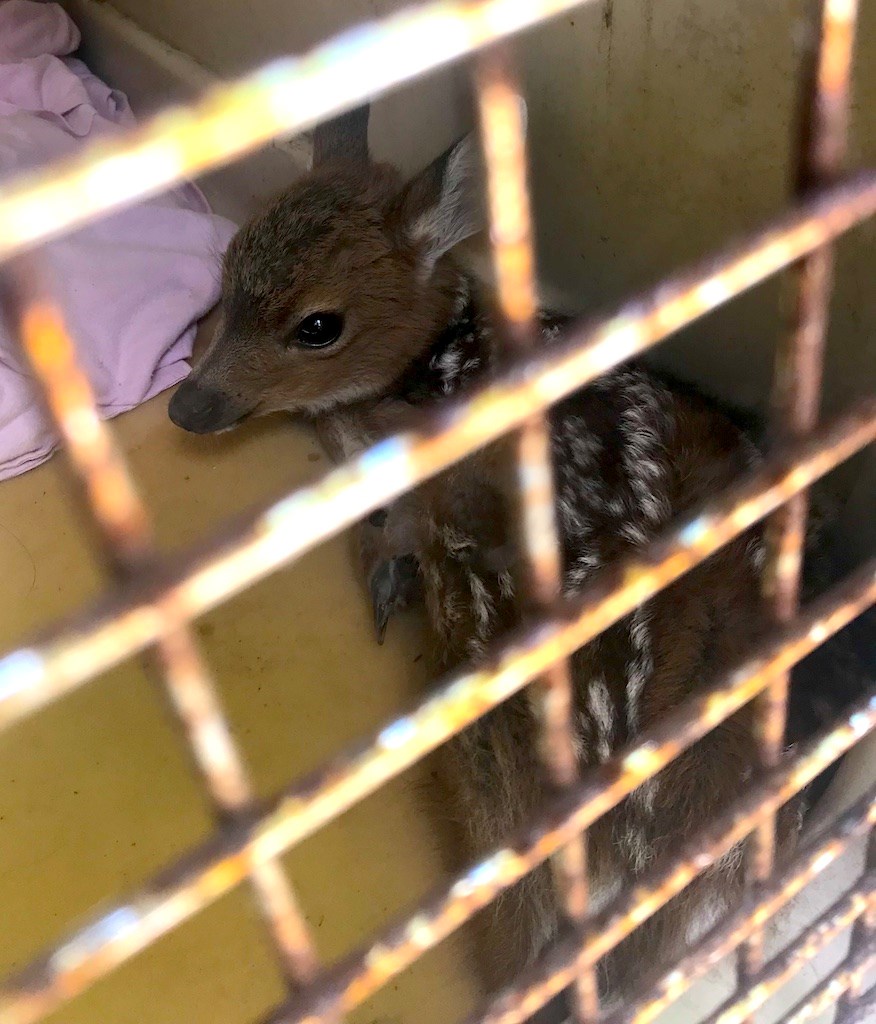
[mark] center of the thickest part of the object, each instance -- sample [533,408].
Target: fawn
[343,302]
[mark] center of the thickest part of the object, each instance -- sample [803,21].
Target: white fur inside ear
[457,213]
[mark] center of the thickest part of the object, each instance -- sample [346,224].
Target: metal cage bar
[410,737]
[554,970]
[271,537]
[155,599]
[655,996]
[125,538]
[501,106]
[832,989]
[862,942]
[838,919]
[861,1012]
[796,391]
[287,96]
[114,936]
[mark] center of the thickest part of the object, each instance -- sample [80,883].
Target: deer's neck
[456,357]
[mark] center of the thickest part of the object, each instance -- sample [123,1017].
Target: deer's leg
[389,566]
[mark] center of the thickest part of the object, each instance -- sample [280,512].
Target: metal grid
[152,603]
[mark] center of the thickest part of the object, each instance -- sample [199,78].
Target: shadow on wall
[659,131]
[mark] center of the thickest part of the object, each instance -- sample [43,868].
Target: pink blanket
[132,286]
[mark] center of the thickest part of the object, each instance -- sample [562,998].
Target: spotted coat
[629,453]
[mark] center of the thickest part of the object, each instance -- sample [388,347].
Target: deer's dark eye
[319,330]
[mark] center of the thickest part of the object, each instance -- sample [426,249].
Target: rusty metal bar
[192,583]
[832,989]
[830,926]
[611,595]
[287,96]
[357,977]
[503,131]
[797,379]
[211,871]
[127,543]
[607,599]
[292,95]
[553,972]
[645,1005]
[351,981]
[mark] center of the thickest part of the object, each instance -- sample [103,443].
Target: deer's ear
[343,139]
[443,205]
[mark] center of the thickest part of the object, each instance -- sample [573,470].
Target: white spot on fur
[602,712]
[641,664]
[708,914]
[645,796]
[603,891]
[637,847]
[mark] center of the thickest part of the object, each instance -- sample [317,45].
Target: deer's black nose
[203,410]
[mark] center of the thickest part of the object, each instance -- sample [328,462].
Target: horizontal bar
[213,870]
[698,535]
[125,539]
[600,790]
[832,989]
[188,585]
[553,971]
[838,919]
[287,96]
[33,677]
[757,908]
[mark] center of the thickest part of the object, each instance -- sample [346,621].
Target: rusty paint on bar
[554,970]
[126,540]
[612,594]
[501,114]
[824,103]
[646,1005]
[192,583]
[223,863]
[291,95]
[355,979]
[833,923]
[833,988]
[503,130]
[287,96]
[94,455]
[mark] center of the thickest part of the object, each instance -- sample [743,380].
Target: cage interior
[657,131]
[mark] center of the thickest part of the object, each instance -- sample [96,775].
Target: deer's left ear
[443,205]
[343,139]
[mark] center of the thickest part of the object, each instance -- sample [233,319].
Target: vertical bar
[126,541]
[501,115]
[796,392]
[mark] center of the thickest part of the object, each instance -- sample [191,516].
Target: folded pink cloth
[133,285]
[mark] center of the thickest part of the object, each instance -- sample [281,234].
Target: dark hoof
[393,584]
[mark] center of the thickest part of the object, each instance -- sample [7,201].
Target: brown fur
[358,259]
[353,239]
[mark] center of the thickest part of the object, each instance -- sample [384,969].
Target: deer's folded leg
[390,570]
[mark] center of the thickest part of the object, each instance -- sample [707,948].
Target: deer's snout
[204,410]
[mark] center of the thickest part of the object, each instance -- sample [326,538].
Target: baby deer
[343,301]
